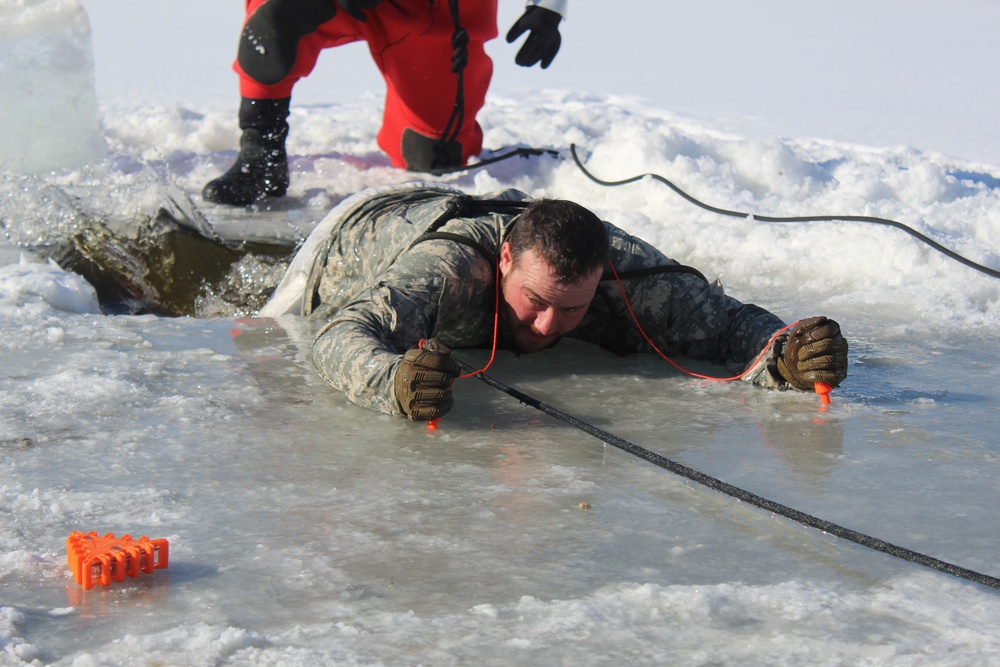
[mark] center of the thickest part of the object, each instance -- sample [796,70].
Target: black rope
[459,59]
[738,493]
[812,218]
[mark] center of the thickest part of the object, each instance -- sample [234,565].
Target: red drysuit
[411,43]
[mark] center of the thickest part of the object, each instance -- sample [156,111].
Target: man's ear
[506,258]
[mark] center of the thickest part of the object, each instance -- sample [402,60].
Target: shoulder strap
[654,270]
[467,206]
[457,238]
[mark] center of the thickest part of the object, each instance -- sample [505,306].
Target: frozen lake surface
[304,530]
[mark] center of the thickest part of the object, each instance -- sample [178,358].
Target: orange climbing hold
[101,560]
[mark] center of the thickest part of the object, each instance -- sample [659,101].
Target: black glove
[543,43]
[815,352]
[422,385]
[354,7]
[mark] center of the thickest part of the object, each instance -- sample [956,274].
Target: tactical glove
[815,352]
[355,7]
[543,43]
[422,384]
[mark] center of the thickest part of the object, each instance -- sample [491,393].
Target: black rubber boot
[261,169]
[430,155]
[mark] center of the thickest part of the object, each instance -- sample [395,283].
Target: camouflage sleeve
[700,321]
[683,314]
[744,345]
[436,290]
[359,350]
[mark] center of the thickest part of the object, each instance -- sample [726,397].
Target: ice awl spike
[823,390]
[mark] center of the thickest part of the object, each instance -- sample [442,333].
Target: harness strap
[457,238]
[465,206]
[654,270]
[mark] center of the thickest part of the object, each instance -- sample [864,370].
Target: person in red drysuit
[430,53]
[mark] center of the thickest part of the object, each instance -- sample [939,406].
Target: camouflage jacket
[390,267]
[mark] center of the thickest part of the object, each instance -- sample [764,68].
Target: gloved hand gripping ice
[422,384]
[816,351]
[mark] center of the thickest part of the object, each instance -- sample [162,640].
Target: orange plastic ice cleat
[101,560]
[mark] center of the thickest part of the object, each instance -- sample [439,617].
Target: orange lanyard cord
[496,327]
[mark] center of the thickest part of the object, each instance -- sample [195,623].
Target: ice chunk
[48,103]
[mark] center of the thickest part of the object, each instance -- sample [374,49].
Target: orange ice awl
[101,560]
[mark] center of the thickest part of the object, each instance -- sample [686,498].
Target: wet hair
[570,238]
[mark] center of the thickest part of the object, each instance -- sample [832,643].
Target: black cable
[515,152]
[813,218]
[738,493]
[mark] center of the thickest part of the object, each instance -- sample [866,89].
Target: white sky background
[882,72]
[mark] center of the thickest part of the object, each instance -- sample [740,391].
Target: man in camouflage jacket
[389,268]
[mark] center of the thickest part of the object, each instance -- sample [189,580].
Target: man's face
[536,307]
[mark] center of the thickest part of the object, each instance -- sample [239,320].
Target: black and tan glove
[815,352]
[422,384]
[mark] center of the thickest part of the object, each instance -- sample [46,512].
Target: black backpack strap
[464,206]
[457,238]
[654,270]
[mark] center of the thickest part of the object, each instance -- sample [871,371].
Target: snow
[304,530]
